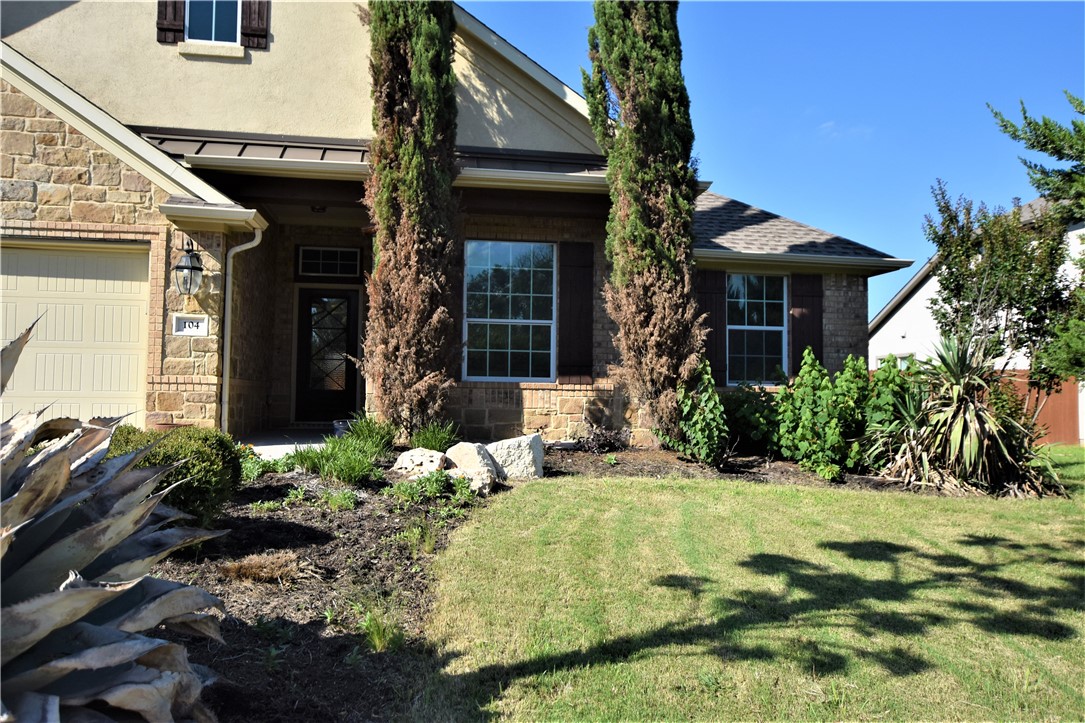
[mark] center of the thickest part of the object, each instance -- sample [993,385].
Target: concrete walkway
[275,443]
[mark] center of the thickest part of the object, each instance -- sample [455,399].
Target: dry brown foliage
[281,566]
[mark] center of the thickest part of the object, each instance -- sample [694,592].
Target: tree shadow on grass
[814,598]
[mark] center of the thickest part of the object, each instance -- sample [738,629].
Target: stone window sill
[211,50]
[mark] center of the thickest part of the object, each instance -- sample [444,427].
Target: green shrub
[376,438]
[456,491]
[821,422]
[702,421]
[751,415]
[891,408]
[348,459]
[209,465]
[436,436]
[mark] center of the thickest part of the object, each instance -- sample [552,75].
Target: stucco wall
[312,80]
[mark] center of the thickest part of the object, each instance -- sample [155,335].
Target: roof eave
[869,266]
[190,215]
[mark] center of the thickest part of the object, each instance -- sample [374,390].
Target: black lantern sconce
[188,273]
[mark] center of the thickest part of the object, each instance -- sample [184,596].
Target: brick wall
[844,308]
[57,184]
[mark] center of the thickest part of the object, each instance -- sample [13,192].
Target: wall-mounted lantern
[188,273]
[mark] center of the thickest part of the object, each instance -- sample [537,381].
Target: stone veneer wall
[57,184]
[844,308]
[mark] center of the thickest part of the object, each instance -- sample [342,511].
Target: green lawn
[573,598]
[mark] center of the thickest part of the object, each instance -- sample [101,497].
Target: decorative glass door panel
[327,382]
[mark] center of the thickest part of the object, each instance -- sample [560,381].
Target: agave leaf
[42,483]
[76,647]
[201,624]
[10,355]
[109,469]
[29,621]
[126,489]
[17,436]
[133,687]
[140,552]
[93,446]
[149,603]
[34,707]
[75,551]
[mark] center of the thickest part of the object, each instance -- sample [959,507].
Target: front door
[327,382]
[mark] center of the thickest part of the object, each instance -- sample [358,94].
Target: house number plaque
[191,325]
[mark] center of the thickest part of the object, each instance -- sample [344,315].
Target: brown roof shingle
[724,224]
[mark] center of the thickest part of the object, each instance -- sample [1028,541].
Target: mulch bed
[284,661]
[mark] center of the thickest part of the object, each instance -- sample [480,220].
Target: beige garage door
[88,355]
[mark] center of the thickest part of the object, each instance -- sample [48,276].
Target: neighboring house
[133,132]
[906,328]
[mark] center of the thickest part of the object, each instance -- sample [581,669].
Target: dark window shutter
[576,288]
[254,23]
[711,291]
[806,318]
[171,21]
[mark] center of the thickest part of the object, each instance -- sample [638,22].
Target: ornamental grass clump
[80,534]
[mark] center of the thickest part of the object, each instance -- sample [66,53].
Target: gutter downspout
[227,325]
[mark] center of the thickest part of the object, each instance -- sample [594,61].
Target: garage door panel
[116,372]
[58,372]
[87,356]
[59,323]
[117,323]
[63,273]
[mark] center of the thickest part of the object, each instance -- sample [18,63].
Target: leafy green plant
[266,505]
[612,460]
[436,435]
[295,496]
[80,536]
[753,420]
[339,500]
[702,421]
[420,537]
[891,408]
[382,633]
[205,461]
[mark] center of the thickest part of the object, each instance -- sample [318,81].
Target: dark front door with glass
[327,382]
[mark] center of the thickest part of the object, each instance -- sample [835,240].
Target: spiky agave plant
[79,536]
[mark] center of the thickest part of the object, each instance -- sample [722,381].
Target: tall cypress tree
[412,342]
[639,110]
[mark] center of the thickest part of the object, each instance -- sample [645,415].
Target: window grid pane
[509,300]
[755,335]
[344,263]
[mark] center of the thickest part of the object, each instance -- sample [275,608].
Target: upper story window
[239,23]
[756,310]
[509,295]
[216,21]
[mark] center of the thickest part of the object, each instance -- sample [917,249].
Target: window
[330,263]
[756,309]
[509,303]
[216,21]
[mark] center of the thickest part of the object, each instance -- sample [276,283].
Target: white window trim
[189,41]
[783,329]
[553,323]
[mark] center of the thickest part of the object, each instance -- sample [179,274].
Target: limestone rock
[475,463]
[420,461]
[519,457]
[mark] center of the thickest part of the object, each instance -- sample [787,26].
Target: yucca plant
[947,432]
[79,536]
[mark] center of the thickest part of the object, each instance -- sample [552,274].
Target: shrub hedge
[209,465]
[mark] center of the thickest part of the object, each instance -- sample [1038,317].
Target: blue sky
[842,115]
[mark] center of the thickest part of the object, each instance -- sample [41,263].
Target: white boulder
[519,457]
[475,463]
[419,461]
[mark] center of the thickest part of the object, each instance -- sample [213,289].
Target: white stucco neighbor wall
[911,330]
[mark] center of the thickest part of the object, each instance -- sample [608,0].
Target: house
[138,137]
[906,328]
